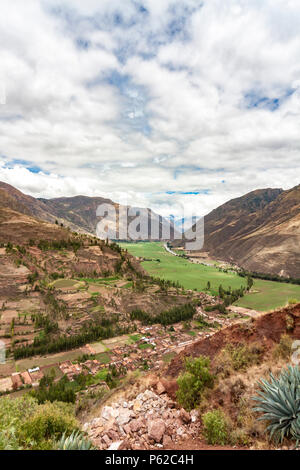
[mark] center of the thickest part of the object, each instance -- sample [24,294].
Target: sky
[177,105]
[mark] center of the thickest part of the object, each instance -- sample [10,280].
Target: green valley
[265,295]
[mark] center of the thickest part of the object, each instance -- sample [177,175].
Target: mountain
[17,227]
[23,217]
[259,231]
[79,214]
[14,199]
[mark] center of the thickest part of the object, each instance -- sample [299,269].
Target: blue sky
[165,104]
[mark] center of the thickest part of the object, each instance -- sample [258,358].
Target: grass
[128,285]
[98,347]
[134,338]
[191,276]
[117,341]
[191,333]
[30,363]
[64,283]
[104,358]
[267,295]
[100,280]
[167,358]
[145,346]
[98,309]
[101,375]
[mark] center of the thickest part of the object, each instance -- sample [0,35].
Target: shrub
[290,323]
[239,437]
[215,427]
[238,357]
[26,425]
[54,391]
[283,349]
[247,422]
[193,381]
[49,422]
[279,402]
[13,412]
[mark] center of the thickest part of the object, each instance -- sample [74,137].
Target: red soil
[265,330]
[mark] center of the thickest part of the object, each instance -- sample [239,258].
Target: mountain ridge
[79,213]
[259,231]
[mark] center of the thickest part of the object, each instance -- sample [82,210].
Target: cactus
[76,441]
[279,401]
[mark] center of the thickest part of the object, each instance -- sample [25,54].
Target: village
[149,348]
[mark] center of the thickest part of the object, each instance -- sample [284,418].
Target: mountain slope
[17,227]
[259,231]
[79,213]
[20,202]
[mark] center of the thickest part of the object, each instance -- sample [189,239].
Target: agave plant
[76,441]
[279,401]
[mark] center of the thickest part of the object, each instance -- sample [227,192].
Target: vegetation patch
[134,338]
[67,283]
[193,381]
[278,403]
[167,317]
[26,425]
[269,294]
[215,427]
[237,357]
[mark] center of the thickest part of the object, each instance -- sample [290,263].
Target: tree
[193,381]
[250,282]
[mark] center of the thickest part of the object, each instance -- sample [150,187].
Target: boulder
[106,440]
[185,416]
[136,425]
[194,415]
[124,416]
[167,441]
[160,388]
[156,429]
[180,431]
[109,412]
[137,405]
[113,435]
[115,445]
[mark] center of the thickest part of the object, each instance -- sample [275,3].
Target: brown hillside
[259,231]
[20,228]
[266,330]
[28,205]
[78,211]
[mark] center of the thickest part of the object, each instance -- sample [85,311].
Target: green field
[267,295]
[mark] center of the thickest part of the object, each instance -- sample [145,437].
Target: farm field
[101,349]
[267,295]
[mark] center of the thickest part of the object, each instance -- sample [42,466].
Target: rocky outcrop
[149,421]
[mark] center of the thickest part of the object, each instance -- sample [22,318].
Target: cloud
[153,100]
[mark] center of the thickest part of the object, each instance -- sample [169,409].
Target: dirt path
[245,311]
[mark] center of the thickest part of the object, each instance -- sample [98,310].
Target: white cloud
[107,99]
